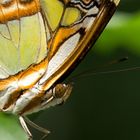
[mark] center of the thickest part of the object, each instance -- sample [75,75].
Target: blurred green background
[102,106]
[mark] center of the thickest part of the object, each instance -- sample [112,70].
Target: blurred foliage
[122,32]
[103,107]
[9,128]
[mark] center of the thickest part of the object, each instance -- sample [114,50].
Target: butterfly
[41,42]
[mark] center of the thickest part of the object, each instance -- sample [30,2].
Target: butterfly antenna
[113,62]
[93,71]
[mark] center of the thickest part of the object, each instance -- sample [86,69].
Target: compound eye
[60,90]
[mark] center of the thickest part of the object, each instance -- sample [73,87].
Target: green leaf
[10,128]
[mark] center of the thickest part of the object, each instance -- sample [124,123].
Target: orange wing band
[15,9]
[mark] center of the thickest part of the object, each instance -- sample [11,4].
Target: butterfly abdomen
[15,9]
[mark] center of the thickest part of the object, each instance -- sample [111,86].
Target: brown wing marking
[25,8]
[19,82]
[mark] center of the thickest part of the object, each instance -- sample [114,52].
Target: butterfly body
[66,40]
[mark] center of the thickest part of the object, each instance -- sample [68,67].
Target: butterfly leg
[43,130]
[24,126]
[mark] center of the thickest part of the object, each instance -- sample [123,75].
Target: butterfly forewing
[71,41]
